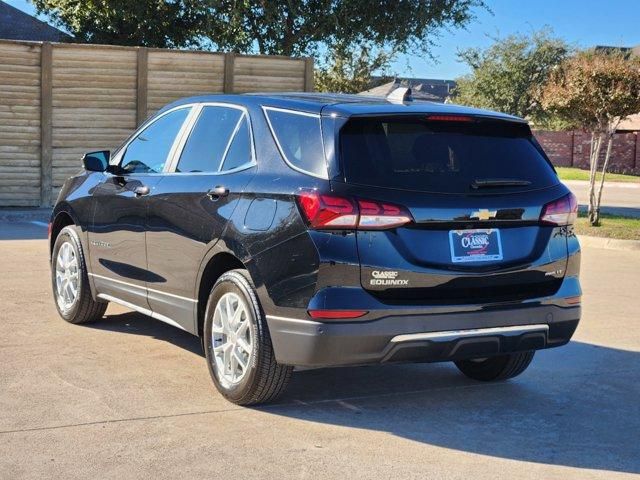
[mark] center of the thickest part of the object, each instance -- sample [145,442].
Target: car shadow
[134,323]
[575,406]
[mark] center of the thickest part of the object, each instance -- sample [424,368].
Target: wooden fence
[60,100]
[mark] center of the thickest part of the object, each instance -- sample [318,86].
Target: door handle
[218,192]
[141,190]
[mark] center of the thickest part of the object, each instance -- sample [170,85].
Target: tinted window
[239,152]
[209,139]
[447,157]
[299,139]
[147,153]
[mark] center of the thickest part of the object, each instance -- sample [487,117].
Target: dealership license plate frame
[461,254]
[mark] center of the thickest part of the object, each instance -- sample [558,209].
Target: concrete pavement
[130,397]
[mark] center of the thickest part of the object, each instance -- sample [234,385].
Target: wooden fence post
[46,113]
[229,71]
[308,74]
[142,85]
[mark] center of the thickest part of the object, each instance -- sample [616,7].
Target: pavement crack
[118,420]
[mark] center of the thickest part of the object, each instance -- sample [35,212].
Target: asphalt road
[617,198]
[130,397]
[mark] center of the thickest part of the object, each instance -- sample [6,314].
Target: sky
[582,23]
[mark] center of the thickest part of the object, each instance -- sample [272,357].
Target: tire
[498,368]
[245,340]
[83,308]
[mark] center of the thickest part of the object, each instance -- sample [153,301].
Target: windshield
[442,156]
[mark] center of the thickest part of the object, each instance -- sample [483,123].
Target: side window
[148,151]
[239,152]
[299,139]
[209,140]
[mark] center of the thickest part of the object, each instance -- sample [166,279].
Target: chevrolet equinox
[316,230]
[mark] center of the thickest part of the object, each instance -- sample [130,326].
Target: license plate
[480,245]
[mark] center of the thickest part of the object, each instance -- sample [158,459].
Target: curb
[585,183]
[609,243]
[629,212]
[24,214]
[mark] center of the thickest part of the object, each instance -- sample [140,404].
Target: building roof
[433,90]
[17,25]
[630,124]
[626,51]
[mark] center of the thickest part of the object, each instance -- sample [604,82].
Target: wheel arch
[63,216]
[213,268]
[59,219]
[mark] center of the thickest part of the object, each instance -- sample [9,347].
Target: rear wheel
[237,343]
[70,280]
[497,368]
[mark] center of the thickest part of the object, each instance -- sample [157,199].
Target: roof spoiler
[400,95]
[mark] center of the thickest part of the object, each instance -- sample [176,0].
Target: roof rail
[400,95]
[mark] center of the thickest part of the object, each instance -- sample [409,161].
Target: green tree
[350,70]
[507,76]
[305,27]
[283,27]
[595,91]
[150,23]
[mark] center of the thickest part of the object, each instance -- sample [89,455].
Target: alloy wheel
[231,339]
[67,277]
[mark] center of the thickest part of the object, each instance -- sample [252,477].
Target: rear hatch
[474,189]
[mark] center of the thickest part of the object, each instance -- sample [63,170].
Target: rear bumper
[421,338]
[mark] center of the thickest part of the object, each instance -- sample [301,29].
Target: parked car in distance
[315,230]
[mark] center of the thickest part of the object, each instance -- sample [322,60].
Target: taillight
[563,211]
[323,211]
[381,215]
[328,211]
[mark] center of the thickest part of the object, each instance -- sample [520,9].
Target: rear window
[438,156]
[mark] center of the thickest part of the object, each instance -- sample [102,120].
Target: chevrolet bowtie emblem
[484,214]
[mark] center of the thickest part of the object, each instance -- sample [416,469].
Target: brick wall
[571,149]
[558,146]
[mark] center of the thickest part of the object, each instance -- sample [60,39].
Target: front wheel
[237,343]
[70,280]
[497,368]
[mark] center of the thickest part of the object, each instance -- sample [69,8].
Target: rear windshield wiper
[498,182]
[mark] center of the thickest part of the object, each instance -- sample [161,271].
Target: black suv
[311,230]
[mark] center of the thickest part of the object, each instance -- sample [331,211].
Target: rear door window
[439,156]
[210,139]
[239,152]
[299,140]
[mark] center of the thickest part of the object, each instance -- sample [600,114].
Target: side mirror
[96,161]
